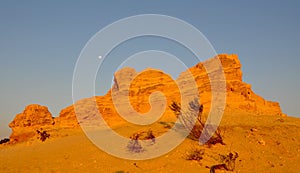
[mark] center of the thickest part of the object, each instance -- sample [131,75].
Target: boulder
[25,124]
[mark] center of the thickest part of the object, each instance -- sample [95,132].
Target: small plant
[228,162]
[196,154]
[3,141]
[43,135]
[217,138]
[195,112]
[187,118]
[166,124]
[134,144]
[120,172]
[150,135]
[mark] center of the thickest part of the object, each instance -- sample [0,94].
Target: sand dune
[274,146]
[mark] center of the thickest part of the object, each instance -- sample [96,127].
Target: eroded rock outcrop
[134,89]
[25,124]
[239,95]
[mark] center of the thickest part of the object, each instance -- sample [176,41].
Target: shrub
[134,144]
[150,135]
[195,111]
[196,154]
[166,124]
[120,172]
[3,141]
[43,135]
[228,162]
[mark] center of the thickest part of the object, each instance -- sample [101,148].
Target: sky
[40,43]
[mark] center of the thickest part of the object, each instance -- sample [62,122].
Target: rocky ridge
[33,118]
[139,86]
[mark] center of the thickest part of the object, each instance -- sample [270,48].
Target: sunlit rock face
[133,92]
[25,124]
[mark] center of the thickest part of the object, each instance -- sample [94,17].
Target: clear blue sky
[40,43]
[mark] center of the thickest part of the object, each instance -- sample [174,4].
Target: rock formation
[25,124]
[139,86]
[239,95]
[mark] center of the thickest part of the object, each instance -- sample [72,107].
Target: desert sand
[264,144]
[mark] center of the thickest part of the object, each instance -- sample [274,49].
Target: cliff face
[133,88]
[31,119]
[239,95]
[137,87]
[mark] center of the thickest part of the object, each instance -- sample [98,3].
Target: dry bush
[195,111]
[134,145]
[3,141]
[166,125]
[196,154]
[227,162]
[43,135]
[150,135]
[120,171]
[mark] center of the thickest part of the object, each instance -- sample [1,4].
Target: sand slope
[273,146]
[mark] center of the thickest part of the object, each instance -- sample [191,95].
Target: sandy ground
[273,145]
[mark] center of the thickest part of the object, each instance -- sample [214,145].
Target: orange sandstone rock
[25,124]
[137,87]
